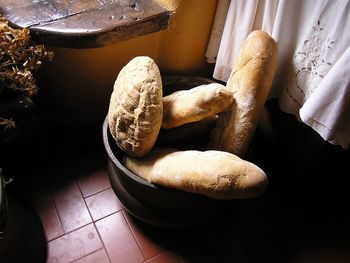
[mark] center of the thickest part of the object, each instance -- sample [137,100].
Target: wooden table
[85,23]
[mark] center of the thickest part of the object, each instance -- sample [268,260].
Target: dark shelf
[85,24]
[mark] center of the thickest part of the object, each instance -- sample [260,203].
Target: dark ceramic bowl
[153,204]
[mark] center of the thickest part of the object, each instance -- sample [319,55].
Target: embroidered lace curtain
[313,75]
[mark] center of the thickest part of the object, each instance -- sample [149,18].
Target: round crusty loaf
[250,82]
[135,110]
[216,174]
[186,106]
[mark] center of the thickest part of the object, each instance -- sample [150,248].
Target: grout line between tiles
[70,232]
[58,215]
[86,255]
[103,217]
[161,253]
[133,235]
[90,254]
[103,243]
[65,231]
[93,222]
[87,207]
[104,248]
[153,257]
[99,191]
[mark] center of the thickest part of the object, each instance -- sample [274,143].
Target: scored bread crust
[250,82]
[216,174]
[198,103]
[136,110]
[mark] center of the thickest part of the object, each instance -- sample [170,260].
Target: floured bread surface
[136,110]
[250,82]
[216,174]
[198,103]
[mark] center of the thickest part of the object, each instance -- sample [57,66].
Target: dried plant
[19,58]
[7,123]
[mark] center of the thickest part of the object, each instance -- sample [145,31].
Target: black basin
[153,204]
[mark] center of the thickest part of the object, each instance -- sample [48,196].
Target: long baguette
[250,82]
[198,103]
[216,174]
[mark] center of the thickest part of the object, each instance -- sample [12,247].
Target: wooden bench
[85,23]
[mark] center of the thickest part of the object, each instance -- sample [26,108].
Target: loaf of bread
[136,109]
[250,82]
[216,174]
[195,104]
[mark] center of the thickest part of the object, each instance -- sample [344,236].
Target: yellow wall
[183,45]
[78,83]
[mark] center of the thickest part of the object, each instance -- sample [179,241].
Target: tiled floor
[84,222]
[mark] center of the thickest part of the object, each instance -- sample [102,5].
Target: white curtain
[217,30]
[313,75]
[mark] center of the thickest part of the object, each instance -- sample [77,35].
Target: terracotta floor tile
[48,215]
[99,256]
[149,246]
[93,183]
[74,245]
[118,239]
[166,257]
[71,207]
[103,204]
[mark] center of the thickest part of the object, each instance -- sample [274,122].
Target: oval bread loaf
[136,110]
[195,104]
[215,174]
[250,82]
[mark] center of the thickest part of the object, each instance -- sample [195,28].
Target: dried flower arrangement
[19,58]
